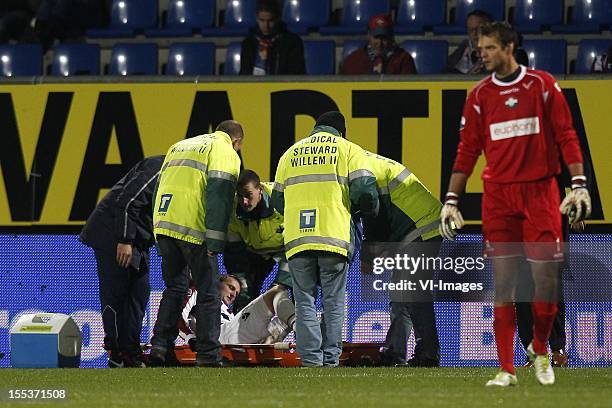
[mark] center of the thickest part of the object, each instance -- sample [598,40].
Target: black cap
[334,119]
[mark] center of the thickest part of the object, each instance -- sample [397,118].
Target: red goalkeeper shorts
[522,219]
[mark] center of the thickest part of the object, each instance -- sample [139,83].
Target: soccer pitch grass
[295,387]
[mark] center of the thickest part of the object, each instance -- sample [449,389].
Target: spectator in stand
[466,58]
[381,55]
[15,16]
[602,64]
[270,49]
[67,20]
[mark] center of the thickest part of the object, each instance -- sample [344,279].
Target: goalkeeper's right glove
[450,217]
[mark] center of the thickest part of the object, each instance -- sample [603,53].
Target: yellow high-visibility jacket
[319,180]
[407,208]
[196,189]
[262,233]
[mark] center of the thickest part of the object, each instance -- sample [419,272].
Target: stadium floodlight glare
[6,65]
[63,61]
[122,12]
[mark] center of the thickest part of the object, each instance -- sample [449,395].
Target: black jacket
[125,214]
[286,55]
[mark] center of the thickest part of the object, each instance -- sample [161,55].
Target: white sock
[284,308]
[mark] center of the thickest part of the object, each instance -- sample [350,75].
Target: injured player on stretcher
[267,319]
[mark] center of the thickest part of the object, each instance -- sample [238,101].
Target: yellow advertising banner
[63,145]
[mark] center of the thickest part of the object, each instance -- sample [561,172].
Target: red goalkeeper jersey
[520,126]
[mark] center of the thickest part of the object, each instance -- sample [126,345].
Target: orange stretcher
[283,355]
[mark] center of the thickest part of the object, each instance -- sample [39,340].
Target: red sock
[543,317]
[504,324]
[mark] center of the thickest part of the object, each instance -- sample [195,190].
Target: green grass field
[295,387]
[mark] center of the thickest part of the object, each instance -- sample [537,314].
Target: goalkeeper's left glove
[577,204]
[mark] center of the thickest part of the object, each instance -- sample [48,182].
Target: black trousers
[176,255]
[419,316]
[124,294]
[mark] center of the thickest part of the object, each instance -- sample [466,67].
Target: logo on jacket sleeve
[308,219]
[164,202]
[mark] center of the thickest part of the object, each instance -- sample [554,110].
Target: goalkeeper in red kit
[520,119]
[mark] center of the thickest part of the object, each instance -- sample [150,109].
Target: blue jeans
[319,343]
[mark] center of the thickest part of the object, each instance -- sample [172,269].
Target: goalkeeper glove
[450,217]
[577,204]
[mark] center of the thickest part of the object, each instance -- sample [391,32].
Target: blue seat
[76,59]
[587,51]
[416,16]
[351,46]
[20,60]
[133,59]
[191,59]
[534,16]
[303,15]
[430,56]
[320,57]
[546,55]
[464,7]
[588,16]
[355,16]
[128,18]
[184,17]
[232,59]
[239,18]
